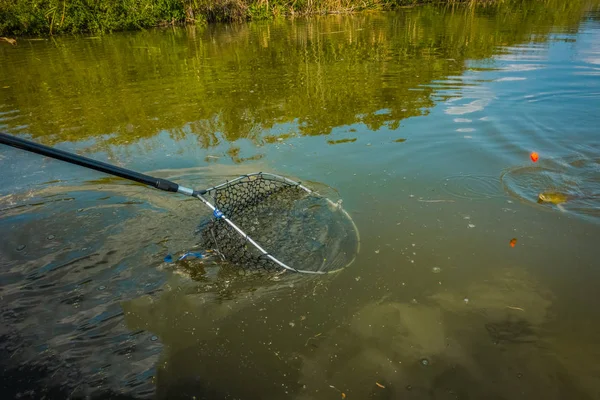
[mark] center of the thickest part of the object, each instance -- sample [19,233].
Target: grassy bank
[48,17]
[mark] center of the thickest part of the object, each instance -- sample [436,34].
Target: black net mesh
[300,229]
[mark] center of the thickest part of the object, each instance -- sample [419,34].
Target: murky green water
[421,120]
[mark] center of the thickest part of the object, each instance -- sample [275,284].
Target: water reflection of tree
[230,82]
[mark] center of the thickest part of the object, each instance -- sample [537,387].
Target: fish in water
[558,198]
[553,197]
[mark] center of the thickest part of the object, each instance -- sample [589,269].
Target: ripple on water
[54,260]
[578,178]
[472,187]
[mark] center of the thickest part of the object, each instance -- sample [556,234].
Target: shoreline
[57,18]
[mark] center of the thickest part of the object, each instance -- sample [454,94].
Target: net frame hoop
[249,239]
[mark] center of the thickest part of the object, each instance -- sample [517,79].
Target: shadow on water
[37,380]
[64,272]
[33,381]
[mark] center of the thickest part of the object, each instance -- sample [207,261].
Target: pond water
[422,121]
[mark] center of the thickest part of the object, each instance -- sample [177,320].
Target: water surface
[421,121]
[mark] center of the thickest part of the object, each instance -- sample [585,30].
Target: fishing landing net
[267,222]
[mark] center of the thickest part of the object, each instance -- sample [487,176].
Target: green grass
[49,17]
[35,17]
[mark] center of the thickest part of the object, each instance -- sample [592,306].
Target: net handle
[157,183]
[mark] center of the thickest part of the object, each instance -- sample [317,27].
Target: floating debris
[380,385]
[424,362]
[342,393]
[312,337]
[471,226]
[8,40]
[436,270]
[339,141]
[50,237]
[436,201]
[21,247]
[513,242]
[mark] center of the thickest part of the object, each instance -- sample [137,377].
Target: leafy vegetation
[48,17]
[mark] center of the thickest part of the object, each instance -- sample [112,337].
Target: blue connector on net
[190,254]
[217,213]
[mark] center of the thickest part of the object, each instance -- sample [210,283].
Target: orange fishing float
[534,156]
